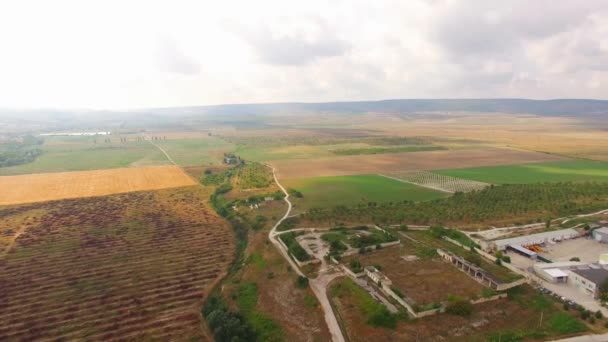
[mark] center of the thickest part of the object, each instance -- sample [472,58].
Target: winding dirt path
[319,284]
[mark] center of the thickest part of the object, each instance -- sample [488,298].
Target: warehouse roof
[556,272]
[533,238]
[595,275]
[523,250]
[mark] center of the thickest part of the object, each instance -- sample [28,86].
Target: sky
[135,54]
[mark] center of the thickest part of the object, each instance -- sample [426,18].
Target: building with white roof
[535,239]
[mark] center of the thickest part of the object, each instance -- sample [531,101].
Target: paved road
[319,284]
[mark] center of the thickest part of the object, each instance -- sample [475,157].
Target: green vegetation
[327,192]
[374,238]
[375,313]
[200,151]
[556,322]
[302,282]
[23,152]
[294,247]
[294,193]
[265,328]
[564,171]
[243,176]
[459,307]
[226,325]
[89,153]
[462,238]
[382,150]
[507,203]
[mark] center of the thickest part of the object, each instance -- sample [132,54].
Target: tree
[575,259]
[604,290]
[302,282]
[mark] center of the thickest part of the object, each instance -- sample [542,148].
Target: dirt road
[319,284]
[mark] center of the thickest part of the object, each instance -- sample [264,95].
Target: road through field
[160,148]
[319,284]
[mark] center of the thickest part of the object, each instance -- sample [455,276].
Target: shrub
[598,314]
[575,259]
[459,307]
[506,259]
[302,282]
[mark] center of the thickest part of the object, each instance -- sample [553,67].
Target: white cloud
[136,53]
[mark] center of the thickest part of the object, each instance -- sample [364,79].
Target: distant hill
[559,107]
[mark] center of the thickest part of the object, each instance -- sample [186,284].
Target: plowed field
[132,266]
[412,161]
[53,186]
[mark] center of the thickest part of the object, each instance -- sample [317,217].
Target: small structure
[555,275]
[377,276]
[600,234]
[536,239]
[588,279]
[603,259]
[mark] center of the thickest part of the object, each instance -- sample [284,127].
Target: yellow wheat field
[62,185]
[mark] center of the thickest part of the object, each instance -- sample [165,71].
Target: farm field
[438,181]
[199,151]
[491,321]
[303,151]
[353,190]
[133,266]
[413,161]
[62,185]
[563,171]
[61,154]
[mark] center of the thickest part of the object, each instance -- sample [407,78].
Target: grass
[265,328]
[564,171]
[201,151]
[83,153]
[375,313]
[353,190]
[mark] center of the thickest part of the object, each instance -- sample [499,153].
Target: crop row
[129,266]
[441,182]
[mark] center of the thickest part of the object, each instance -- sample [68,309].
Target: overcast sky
[126,54]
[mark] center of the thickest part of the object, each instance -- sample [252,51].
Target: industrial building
[556,272]
[536,239]
[600,234]
[588,279]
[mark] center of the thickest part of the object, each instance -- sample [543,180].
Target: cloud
[171,59]
[298,46]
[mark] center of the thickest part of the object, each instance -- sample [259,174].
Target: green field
[352,190]
[88,153]
[564,171]
[200,151]
[91,153]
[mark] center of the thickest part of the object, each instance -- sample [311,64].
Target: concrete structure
[600,234]
[588,279]
[536,239]
[377,276]
[556,275]
[523,251]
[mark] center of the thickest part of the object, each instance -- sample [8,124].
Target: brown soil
[133,266]
[413,161]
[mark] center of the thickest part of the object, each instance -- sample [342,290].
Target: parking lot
[587,250]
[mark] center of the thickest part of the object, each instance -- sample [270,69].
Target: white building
[556,272]
[588,279]
[536,239]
